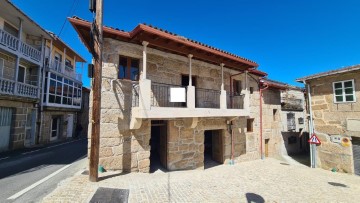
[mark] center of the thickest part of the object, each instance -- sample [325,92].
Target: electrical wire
[70,13]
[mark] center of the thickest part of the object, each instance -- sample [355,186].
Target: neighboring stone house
[62,91]
[22,43]
[40,87]
[292,116]
[83,115]
[335,110]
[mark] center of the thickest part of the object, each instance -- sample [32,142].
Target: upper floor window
[344,91]
[237,87]
[21,74]
[68,64]
[128,68]
[291,125]
[11,29]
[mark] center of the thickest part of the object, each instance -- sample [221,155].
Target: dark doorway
[158,144]
[185,80]
[297,146]
[356,154]
[213,148]
[267,147]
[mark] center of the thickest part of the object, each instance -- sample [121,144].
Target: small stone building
[335,110]
[168,102]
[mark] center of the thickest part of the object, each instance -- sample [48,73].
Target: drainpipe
[311,128]
[261,127]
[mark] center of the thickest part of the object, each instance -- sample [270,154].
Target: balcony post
[43,44]
[144,43]
[17,62]
[50,53]
[190,97]
[223,92]
[247,93]
[20,31]
[144,84]
[63,62]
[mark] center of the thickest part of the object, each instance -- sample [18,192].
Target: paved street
[50,165]
[267,180]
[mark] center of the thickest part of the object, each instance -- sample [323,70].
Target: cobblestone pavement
[269,180]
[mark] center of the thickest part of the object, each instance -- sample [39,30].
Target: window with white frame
[63,91]
[344,91]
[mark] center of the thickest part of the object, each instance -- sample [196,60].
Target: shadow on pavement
[252,197]
[57,155]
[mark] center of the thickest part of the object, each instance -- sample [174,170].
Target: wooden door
[267,147]
[163,144]
[217,146]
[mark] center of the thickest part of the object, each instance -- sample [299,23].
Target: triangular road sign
[314,140]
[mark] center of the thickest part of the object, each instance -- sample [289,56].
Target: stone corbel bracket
[191,122]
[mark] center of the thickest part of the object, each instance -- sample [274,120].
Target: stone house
[83,115]
[62,91]
[334,108]
[172,103]
[40,85]
[22,43]
[293,119]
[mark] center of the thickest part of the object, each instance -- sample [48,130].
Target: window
[274,114]
[11,29]
[1,67]
[251,90]
[68,64]
[250,125]
[64,91]
[21,74]
[301,120]
[344,91]
[237,87]
[128,68]
[291,121]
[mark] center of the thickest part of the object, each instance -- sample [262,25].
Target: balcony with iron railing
[13,44]
[158,100]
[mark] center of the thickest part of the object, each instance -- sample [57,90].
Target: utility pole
[96,97]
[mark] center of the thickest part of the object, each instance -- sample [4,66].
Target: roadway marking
[37,183]
[4,158]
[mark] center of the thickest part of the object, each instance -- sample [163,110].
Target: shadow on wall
[295,142]
[271,96]
[252,197]
[124,97]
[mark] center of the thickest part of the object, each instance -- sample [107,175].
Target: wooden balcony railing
[235,101]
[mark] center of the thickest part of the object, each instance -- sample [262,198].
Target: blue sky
[287,38]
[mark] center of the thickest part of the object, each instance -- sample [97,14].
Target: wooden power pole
[96,97]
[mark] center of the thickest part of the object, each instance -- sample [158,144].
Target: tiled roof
[332,72]
[179,37]
[197,42]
